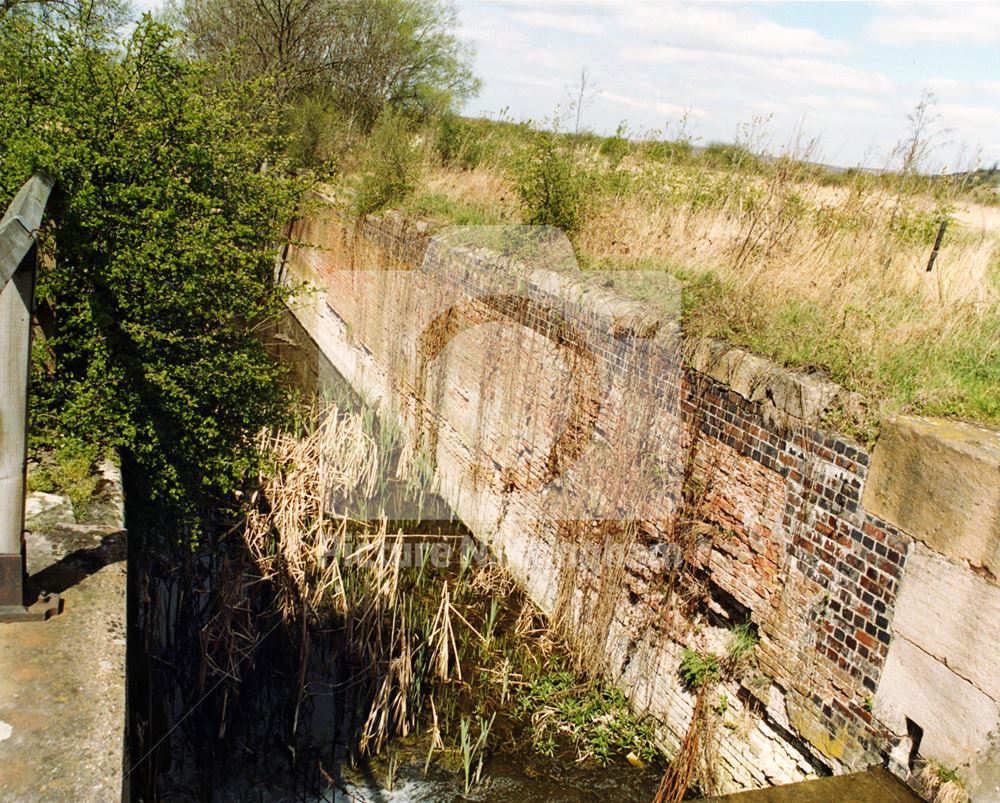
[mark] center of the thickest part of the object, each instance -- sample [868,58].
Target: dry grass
[288,534]
[426,645]
[828,278]
[940,784]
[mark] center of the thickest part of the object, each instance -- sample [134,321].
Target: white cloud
[942,23]
[532,80]
[956,115]
[941,85]
[703,25]
[727,64]
[651,104]
[768,71]
[570,23]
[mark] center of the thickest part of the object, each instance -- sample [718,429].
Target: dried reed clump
[684,765]
[940,784]
[288,531]
[346,575]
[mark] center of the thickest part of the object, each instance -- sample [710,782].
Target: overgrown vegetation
[550,184]
[451,646]
[70,469]
[389,169]
[699,669]
[169,201]
[820,269]
[940,783]
[596,718]
[175,159]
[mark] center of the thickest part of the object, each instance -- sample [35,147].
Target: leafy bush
[169,201]
[617,146]
[550,185]
[666,151]
[391,166]
[919,227]
[727,157]
[457,143]
[317,133]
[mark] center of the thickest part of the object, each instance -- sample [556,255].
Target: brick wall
[782,536]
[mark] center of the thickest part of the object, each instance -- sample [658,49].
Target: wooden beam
[20,222]
[17,284]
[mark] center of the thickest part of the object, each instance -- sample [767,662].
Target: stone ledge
[791,397]
[939,481]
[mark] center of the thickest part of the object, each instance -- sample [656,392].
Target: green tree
[168,207]
[365,54]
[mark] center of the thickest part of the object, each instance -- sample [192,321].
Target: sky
[832,81]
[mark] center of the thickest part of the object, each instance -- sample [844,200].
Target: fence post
[18,257]
[937,244]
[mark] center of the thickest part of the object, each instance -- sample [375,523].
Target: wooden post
[17,273]
[937,244]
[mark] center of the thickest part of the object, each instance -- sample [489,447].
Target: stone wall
[597,453]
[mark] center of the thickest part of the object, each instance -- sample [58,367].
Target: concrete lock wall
[594,449]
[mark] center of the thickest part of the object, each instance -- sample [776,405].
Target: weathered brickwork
[819,573]
[790,545]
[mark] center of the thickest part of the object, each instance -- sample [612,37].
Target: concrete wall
[596,451]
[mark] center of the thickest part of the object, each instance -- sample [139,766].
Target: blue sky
[843,74]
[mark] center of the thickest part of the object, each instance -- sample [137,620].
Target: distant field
[819,269]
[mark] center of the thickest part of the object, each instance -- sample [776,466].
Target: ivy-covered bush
[168,208]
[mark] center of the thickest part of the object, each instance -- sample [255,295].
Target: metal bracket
[45,607]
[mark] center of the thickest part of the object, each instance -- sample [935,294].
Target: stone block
[43,511]
[955,716]
[944,608]
[939,481]
[982,777]
[795,394]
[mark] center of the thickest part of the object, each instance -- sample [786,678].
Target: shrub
[617,146]
[727,157]
[164,224]
[391,165]
[666,151]
[316,134]
[550,185]
[457,143]
[919,227]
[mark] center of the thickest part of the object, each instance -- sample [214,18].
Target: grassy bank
[819,269]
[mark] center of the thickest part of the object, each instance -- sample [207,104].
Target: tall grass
[820,270]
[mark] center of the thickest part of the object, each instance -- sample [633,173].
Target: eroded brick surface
[790,544]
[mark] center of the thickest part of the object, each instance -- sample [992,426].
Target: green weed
[699,669]
[596,717]
[71,471]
